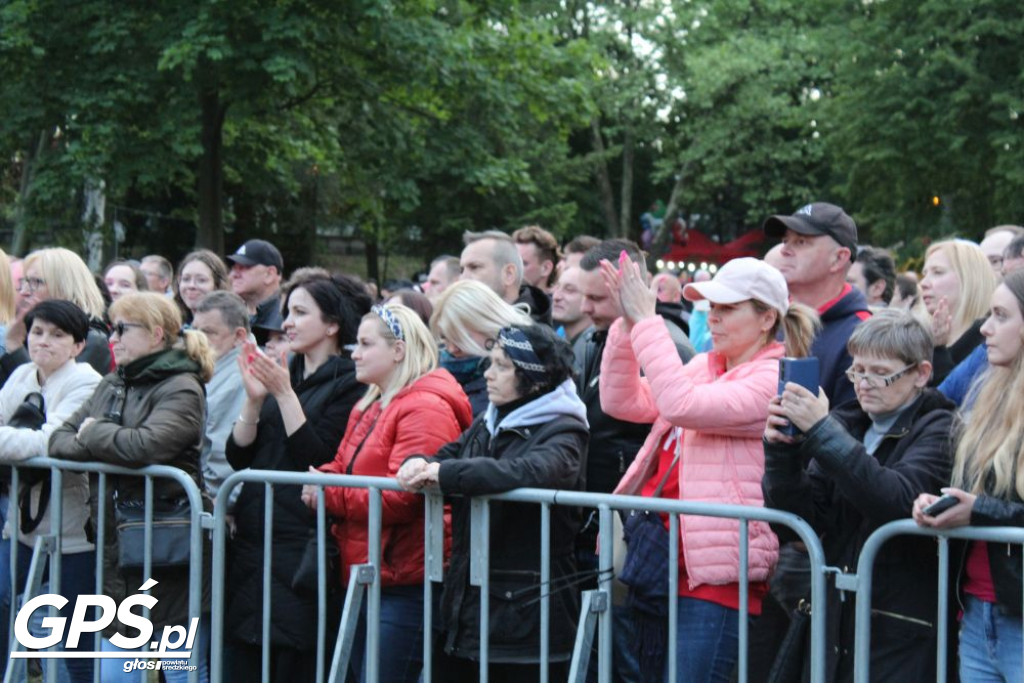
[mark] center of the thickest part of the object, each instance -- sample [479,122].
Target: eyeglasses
[119,328]
[874,380]
[30,283]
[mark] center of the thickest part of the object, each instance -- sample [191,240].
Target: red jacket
[421,418]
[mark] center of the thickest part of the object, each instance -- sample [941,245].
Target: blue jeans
[77,577]
[990,644]
[113,670]
[707,642]
[401,636]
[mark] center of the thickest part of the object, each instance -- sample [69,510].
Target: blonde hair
[976,277]
[799,327]
[67,277]
[990,452]
[7,291]
[420,353]
[467,306]
[153,310]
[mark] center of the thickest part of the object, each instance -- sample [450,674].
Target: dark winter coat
[1004,559]
[845,495]
[151,411]
[327,396]
[540,452]
[538,301]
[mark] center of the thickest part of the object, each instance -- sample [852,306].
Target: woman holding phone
[868,458]
[705,444]
[988,483]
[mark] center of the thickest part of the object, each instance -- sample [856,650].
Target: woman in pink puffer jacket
[705,444]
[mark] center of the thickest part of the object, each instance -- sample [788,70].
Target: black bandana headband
[520,351]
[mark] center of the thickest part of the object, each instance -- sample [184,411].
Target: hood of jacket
[538,302]
[562,400]
[442,384]
[157,367]
[850,302]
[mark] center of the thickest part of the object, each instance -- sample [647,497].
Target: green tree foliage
[926,104]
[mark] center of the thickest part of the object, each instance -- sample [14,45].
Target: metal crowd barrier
[596,604]
[862,581]
[49,547]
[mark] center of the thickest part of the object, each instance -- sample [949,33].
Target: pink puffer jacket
[722,415]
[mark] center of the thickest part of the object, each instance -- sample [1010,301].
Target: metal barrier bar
[321,581]
[865,565]
[54,547]
[268,544]
[371,660]
[433,572]
[479,576]
[673,600]
[545,588]
[744,636]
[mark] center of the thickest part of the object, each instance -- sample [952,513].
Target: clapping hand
[627,282]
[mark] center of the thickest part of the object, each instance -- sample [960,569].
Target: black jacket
[545,455]
[945,358]
[539,303]
[327,397]
[1004,560]
[845,495]
[614,443]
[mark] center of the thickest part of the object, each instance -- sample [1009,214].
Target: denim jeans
[990,644]
[77,577]
[401,636]
[707,642]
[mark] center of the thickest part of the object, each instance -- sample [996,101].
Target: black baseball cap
[820,218]
[258,253]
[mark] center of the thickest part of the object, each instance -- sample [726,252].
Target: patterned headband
[520,351]
[390,319]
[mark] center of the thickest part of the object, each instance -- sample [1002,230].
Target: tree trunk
[372,252]
[663,236]
[604,181]
[211,172]
[19,241]
[626,192]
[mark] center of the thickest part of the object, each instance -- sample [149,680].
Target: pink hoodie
[722,415]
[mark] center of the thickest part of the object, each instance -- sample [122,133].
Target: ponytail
[197,347]
[799,327]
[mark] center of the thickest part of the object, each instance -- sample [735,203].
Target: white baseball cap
[742,279]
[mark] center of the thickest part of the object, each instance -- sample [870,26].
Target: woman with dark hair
[293,418]
[57,331]
[534,433]
[151,411]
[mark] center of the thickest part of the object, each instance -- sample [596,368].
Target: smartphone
[941,505]
[802,371]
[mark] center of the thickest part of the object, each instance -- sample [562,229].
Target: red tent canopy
[700,247]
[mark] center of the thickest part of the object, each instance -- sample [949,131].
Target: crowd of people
[525,363]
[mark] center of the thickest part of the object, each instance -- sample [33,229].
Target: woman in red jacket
[411,407]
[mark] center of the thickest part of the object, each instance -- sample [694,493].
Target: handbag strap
[352,462]
[675,459]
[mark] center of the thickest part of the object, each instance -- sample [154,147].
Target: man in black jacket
[613,443]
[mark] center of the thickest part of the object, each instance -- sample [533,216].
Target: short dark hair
[907,287]
[64,314]
[342,299]
[546,244]
[232,308]
[610,250]
[878,264]
[580,244]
